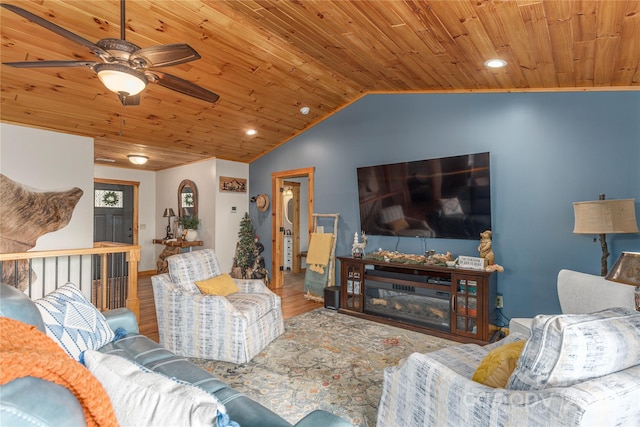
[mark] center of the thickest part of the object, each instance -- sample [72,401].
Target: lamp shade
[119,78]
[605,217]
[168,213]
[626,269]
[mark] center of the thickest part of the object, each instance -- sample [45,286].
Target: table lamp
[168,213]
[605,217]
[627,270]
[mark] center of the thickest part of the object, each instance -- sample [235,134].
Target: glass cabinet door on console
[467,305]
[352,297]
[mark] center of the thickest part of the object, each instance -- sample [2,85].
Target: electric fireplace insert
[410,304]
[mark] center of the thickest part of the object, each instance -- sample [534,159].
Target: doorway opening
[290,227]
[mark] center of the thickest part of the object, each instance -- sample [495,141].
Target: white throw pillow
[566,349]
[73,322]
[144,398]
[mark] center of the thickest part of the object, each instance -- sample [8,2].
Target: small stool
[332,297]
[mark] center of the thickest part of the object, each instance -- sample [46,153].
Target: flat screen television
[448,197]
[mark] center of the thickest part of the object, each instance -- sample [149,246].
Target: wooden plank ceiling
[268,58]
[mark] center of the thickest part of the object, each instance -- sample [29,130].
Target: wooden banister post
[133,303]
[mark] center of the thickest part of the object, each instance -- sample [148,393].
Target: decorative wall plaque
[471,262]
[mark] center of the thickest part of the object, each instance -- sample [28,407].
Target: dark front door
[113,213]
[112,222]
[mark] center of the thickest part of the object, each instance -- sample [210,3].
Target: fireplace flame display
[417,306]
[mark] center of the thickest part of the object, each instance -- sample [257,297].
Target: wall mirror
[288,212]
[187,199]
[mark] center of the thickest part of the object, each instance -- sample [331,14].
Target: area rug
[324,360]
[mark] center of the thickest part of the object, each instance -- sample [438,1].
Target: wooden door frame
[136,192]
[277,244]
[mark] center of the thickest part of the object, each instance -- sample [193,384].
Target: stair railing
[107,274]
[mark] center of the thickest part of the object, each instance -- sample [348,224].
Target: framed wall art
[235,185]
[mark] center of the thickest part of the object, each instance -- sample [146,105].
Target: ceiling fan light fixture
[119,78]
[137,159]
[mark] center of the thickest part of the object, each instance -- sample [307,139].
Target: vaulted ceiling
[268,58]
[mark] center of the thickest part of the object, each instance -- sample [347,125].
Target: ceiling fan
[125,68]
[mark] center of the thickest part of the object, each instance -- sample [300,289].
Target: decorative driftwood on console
[26,215]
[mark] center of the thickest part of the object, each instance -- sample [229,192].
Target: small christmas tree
[246,248]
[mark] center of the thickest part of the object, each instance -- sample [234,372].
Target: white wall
[51,161]
[147,214]
[219,226]
[228,221]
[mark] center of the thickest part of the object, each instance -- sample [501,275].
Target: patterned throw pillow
[570,348]
[73,322]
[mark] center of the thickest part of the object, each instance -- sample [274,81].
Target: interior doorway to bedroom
[292,192]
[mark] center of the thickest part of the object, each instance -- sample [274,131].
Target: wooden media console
[452,303]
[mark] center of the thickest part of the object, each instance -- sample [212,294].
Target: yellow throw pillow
[497,366]
[398,224]
[221,285]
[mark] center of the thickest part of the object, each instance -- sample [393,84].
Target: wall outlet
[499,302]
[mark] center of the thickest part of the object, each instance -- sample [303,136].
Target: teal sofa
[29,401]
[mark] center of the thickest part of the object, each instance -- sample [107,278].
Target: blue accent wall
[547,151]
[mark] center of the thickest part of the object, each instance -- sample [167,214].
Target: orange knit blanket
[25,351]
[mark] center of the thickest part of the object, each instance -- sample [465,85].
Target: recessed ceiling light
[305,110]
[495,63]
[251,132]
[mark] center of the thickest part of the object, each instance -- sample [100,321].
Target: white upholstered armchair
[232,328]
[581,293]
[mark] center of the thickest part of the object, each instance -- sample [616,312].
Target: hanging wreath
[188,199]
[110,198]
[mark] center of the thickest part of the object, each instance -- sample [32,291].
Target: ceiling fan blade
[129,100]
[164,56]
[97,50]
[50,64]
[183,86]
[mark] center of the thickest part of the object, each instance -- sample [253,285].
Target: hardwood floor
[148,323]
[292,295]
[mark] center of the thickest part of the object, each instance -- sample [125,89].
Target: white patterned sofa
[574,370]
[232,328]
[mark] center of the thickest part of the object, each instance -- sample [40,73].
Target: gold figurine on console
[486,252]
[485,248]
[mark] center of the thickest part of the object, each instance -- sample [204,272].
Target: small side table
[172,247]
